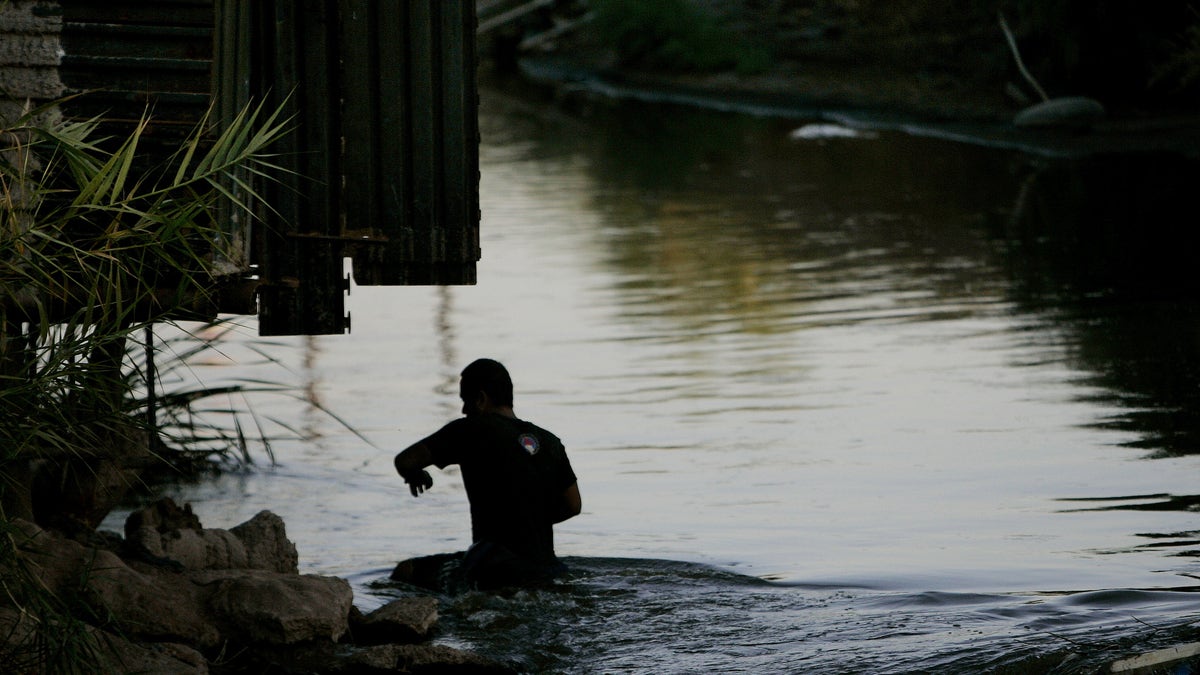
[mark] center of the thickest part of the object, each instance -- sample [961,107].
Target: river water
[839,401]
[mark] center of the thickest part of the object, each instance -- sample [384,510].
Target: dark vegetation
[675,35]
[1131,56]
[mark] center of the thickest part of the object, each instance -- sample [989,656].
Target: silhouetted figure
[518,480]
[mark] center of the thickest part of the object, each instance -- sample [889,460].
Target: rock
[200,608]
[164,531]
[405,620]
[155,658]
[267,546]
[24,649]
[254,606]
[196,549]
[163,607]
[142,606]
[437,572]
[378,659]
[262,619]
[76,490]
[1071,112]
[20,649]
[822,132]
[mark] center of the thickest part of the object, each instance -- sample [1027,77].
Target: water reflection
[1107,249]
[448,359]
[1123,226]
[808,300]
[312,385]
[725,224]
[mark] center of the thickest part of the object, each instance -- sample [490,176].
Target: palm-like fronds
[97,242]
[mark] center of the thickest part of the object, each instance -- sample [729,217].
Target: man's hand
[411,464]
[418,481]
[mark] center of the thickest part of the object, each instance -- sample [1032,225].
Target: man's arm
[571,504]
[411,463]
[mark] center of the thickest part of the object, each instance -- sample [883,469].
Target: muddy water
[839,401]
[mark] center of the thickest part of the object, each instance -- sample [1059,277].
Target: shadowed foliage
[97,243]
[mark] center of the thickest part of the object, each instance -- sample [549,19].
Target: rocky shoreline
[174,597]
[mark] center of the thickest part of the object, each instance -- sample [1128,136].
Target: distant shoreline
[977,124]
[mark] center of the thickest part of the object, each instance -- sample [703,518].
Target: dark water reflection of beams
[447,388]
[1156,502]
[1107,248]
[314,406]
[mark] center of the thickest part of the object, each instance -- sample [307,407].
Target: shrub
[673,35]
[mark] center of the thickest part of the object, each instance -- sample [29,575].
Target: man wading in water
[518,480]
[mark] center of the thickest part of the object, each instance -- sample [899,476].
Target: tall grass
[96,245]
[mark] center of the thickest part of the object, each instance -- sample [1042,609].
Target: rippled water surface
[838,402]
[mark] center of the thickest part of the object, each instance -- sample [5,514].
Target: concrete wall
[30,53]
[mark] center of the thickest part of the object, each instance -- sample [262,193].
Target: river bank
[954,79]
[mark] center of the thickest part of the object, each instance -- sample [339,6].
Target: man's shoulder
[497,423]
[543,438]
[535,428]
[501,428]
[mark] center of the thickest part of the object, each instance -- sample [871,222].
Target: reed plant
[98,242]
[96,245]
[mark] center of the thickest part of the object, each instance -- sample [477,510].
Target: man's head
[485,385]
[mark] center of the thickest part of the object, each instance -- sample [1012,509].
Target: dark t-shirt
[515,473]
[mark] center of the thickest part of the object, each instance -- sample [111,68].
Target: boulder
[25,650]
[1069,112]
[267,546]
[154,658]
[177,613]
[165,531]
[143,606]
[405,620]
[158,607]
[201,607]
[197,549]
[75,490]
[254,606]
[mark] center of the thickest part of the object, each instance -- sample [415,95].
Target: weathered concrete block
[40,82]
[30,16]
[30,50]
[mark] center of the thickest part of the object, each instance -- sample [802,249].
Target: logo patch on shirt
[529,442]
